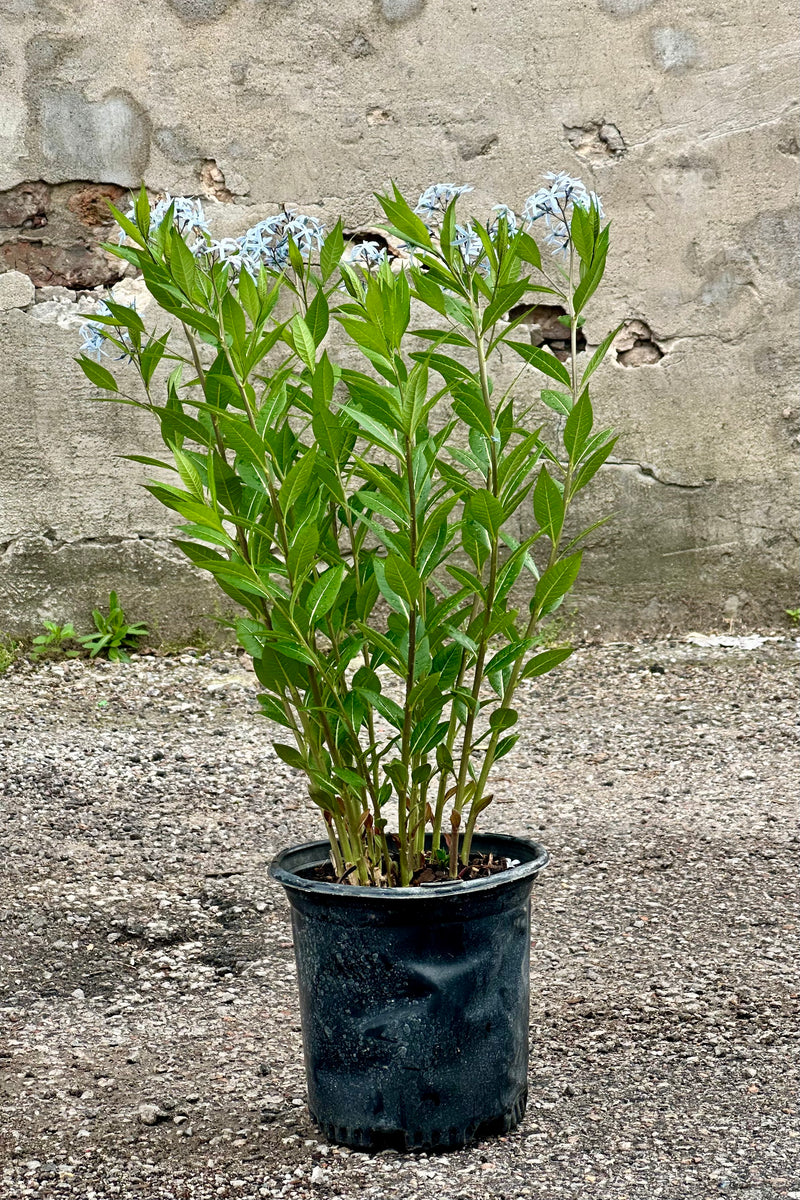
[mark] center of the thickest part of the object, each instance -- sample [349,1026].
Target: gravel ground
[150,1040]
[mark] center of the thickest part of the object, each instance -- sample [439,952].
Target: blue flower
[307,232]
[267,242]
[434,201]
[367,254]
[468,242]
[96,342]
[226,250]
[555,204]
[503,213]
[187,215]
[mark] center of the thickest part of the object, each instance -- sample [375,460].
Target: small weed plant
[114,636]
[57,640]
[10,651]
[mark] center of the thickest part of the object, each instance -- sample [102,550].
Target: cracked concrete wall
[684,119]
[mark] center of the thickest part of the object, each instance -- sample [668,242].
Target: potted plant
[360,497]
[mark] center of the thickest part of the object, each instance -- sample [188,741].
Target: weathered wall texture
[682,116]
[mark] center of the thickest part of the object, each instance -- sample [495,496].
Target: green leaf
[476,542]
[151,356]
[548,505]
[528,250]
[505,746]
[302,552]
[470,406]
[240,436]
[462,639]
[449,368]
[546,661]
[304,345]
[121,314]
[273,710]
[176,424]
[593,274]
[432,295]
[248,296]
[413,399]
[444,337]
[322,596]
[189,474]
[578,426]
[385,506]
[600,353]
[404,220]
[467,580]
[142,212]
[353,780]
[96,374]
[297,479]
[428,735]
[508,656]
[555,583]
[182,265]
[592,465]
[486,509]
[227,485]
[147,461]
[582,233]
[219,384]
[323,382]
[332,433]
[331,252]
[543,361]
[560,402]
[234,322]
[127,226]
[378,432]
[295,651]
[317,319]
[503,302]
[402,578]
[503,718]
[290,755]
[388,709]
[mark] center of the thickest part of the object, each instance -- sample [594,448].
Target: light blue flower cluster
[555,204]
[432,205]
[504,213]
[367,254]
[434,201]
[95,340]
[188,216]
[467,241]
[266,243]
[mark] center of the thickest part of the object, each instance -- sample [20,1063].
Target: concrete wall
[683,117]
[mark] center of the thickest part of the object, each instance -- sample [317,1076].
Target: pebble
[150,1114]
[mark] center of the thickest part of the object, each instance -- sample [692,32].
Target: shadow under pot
[414,1001]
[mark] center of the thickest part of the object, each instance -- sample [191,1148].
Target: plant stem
[404,799]
[477,681]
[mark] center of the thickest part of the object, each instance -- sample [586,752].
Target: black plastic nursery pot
[414,1001]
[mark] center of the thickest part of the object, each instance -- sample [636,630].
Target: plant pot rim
[533,859]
